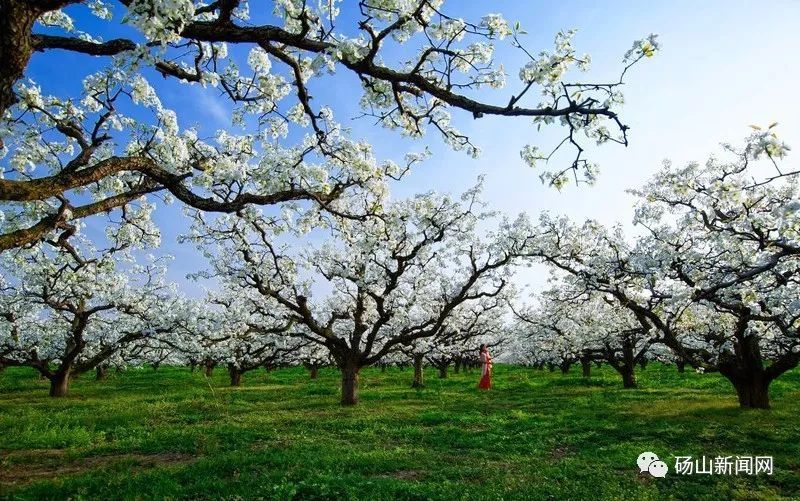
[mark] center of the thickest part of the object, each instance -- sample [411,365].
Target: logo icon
[649,462]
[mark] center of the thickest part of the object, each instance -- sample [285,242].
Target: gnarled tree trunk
[350,370]
[628,376]
[586,366]
[59,383]
[418,376]
[16,45]
[235,374]
[753,393]
[745,370]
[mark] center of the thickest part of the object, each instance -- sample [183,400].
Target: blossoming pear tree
[314,356]
[68,155]
[483,322]
[715,275]
[248,333]
[727,234]
[374,284]
[467,323]
[64,313]
[568,326]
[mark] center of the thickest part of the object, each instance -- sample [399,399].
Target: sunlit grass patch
[283,436]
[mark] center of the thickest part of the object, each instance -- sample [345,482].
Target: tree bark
[745,370]
[628,376]
[418,377]
[16,46]
[443,371]
[753,393]
[681,365]
[209,369]
[314,371]
[586,367]
[59,384]
[350,372]
[235,374]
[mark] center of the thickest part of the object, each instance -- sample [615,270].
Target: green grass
[536,435]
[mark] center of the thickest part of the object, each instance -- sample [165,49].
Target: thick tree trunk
[350,372]
[681,365]
[626,369]
[586,367]
[101,372]
[235,374]
[745,370]
[314,370]
[628,376]
[443,371]
[59,384]
[16,20]
[753,393]
[418,377]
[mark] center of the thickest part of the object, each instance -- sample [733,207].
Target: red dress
[486,371]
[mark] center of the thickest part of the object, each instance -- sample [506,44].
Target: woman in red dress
[486,369]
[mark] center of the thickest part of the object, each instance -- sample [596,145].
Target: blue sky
[723,65]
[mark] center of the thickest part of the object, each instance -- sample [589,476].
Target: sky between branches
[723,65]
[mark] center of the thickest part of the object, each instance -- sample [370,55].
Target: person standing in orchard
[486,369]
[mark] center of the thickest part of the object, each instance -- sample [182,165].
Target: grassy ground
[537,435]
